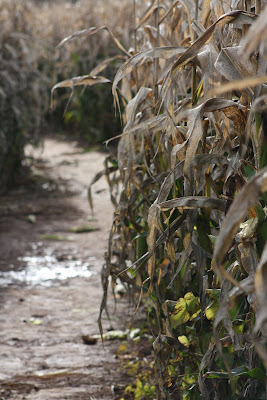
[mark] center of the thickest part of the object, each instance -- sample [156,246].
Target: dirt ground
[43,317]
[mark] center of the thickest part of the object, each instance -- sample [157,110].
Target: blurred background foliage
[31,64]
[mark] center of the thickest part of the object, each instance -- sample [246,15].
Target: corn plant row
[189,232]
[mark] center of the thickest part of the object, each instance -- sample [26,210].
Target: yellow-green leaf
[184,340]
[211,310]
[186,309]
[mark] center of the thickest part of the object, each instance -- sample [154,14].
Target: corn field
[190,228]
[189,233]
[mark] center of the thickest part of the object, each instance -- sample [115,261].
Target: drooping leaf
[194,202]
[91,31]
[195,132]
[85,80]
[128,66]
[150,124]
[247,197]
[192,51]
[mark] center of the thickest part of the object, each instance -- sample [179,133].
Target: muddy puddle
[46,269]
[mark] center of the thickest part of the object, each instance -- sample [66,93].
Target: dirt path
[42,353]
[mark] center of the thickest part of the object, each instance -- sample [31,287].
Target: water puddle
[46,270]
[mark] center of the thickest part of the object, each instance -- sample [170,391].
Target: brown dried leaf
[205,12]
[148,14]
[232,64]
[85,80]
[158,52]
[238,118]
[154,38]
[91,31]
[195,132]
[206,59]
[247,197]
[154,224]
[236,15]
[149,124]
[100,67]
[240,84]
[133,105]
[194,202]
[257,35]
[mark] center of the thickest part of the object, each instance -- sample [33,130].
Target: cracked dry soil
[43,356]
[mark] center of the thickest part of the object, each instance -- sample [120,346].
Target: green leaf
[214,293]
[56,237]
[180,315]
[186,309]
[204,240]
[84,229]
[211,310]
[184,340]
[255,373]
[141,245]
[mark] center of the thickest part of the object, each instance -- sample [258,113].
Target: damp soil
[50,281]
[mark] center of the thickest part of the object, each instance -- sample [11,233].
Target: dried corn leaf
[240,84]
[195,132]
[133,105]
[236,15]
[247,197]
[194,202]
[206,59]
[147,14]
[256,37]
[205,12]
[154,225]
[158,52]
[147,125]
[100,67]
[154,37]
[91,31]
[234,66]
[85,80]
